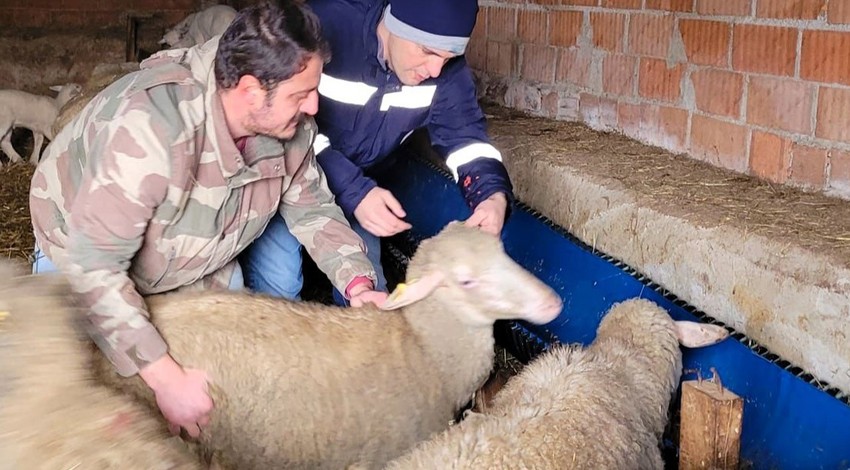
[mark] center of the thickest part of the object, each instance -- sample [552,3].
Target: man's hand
[181,394]
[489,215]
[363,293]
[380,213]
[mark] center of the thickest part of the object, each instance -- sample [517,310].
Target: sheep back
[52,413]
[300,385]
[604,406]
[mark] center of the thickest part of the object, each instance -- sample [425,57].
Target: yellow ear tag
[3,314]
[399,289]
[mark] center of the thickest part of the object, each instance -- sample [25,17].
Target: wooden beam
[710,427]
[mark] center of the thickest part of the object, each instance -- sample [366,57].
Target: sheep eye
[467,283]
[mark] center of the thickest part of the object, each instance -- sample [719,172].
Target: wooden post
[131,51]
[710,427]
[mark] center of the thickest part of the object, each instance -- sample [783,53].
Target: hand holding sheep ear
[604,406]
[300,385]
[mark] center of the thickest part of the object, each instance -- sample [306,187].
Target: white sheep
[34,112]
[604,406]
[52,413]
[198,28]
[302,385]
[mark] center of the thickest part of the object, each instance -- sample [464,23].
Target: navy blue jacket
[365,112]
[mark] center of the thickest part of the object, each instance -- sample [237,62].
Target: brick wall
[757,86]
[70,14]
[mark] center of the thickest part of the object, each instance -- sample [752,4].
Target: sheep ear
[697,335]
[56,88]
[406,294]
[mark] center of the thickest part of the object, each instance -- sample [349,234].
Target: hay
[16,238]
[678,185]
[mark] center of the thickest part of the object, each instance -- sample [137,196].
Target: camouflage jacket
[145,192]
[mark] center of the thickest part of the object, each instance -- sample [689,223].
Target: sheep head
[65,93]
[469,272]
[176,33]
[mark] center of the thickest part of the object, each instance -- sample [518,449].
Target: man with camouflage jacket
[168,173]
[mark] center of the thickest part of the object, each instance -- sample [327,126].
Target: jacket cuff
[482,178]
[148,348]
[356,282]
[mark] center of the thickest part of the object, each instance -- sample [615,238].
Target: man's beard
[283,133]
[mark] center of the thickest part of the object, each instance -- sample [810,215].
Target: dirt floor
[678,185]
[16,239]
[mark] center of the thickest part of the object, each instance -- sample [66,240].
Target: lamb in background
[198,28]
[52,413]
[301,385]
[600,407]
[34,112]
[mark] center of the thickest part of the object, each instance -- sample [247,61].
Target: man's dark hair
[272,41]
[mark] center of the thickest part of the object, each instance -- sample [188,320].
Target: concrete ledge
[771,262]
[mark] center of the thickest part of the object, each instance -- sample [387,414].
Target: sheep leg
[6,145]
[38,140]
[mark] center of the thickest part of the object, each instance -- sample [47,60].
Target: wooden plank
[710,427]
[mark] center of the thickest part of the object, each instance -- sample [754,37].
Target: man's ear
[252,91]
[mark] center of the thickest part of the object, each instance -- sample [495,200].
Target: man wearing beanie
[396,66]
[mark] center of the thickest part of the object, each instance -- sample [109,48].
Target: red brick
[618,74]
[838,12]
[824,57]
[88,5]
[770,157]
[501,58]
[833,114]
[780,104]
[839,171]
[792,9]
[608,30]
[565,27]
[153,5]
[538,2]
[574,67]
[476,54]
[662,126]
[764,49]
[27,18]
[479,32]
[597,111]
[632,118]
[581,3]
[632,4]
[724,7]
[501,23]
[718,91]
[36,4]
[658,81]
[808,166]
[670,5]
[650,35]
[532,26]
[549,104]
[670,128]
[720,143]
[706,42]
[538,63]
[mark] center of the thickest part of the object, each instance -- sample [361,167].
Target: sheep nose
[546,309]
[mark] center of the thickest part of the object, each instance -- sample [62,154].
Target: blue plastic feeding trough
[790,420]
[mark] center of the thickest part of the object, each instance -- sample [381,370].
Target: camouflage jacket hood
[146,192]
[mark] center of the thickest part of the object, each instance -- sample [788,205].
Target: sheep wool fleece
[145,192]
